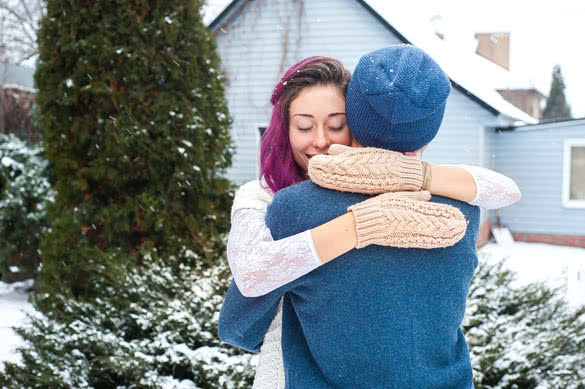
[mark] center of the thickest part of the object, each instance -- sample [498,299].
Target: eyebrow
[312,117]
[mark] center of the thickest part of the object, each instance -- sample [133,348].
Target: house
[16,100]
[12,75]
[520,93]
[547,161]
[258,40]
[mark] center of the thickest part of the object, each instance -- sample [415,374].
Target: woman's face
[317,120]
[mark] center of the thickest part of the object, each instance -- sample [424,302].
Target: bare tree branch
[19,22]
[26,10]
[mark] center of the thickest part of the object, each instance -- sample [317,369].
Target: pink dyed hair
[277,164]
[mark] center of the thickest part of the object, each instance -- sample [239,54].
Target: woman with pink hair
[307,118]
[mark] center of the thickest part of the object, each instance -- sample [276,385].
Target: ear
[355,143]
[336,149]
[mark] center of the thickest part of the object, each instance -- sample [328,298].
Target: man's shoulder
[304,206]
[307,191]
[297,189]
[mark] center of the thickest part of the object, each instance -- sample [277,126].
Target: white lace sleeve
[260,264]
[493,190]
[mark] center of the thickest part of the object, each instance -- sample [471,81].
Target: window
[261,128]
[574,173]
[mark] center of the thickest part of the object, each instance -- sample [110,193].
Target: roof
[470,73]
[546,124]
[215,10]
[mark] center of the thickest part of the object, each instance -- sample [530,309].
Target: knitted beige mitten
[368,170]
[403,220]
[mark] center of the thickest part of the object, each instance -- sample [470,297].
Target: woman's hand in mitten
[368,170]
[408,220]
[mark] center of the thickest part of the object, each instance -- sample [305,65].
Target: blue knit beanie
[396,99]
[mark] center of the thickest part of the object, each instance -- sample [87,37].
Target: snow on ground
[557,266]
[13,305]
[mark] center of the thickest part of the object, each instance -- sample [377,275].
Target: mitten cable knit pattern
[399,220]
[367,170]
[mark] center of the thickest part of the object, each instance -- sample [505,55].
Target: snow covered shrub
[521,338]
[24,194]
[157,329]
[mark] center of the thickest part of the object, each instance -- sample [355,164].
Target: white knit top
[260,265]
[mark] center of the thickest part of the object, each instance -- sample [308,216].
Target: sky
[542,34]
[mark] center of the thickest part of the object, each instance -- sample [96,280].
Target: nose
[321,139]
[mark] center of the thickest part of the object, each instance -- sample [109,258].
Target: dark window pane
[577,173]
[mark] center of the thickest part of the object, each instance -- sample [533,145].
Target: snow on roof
[476,74]
[212,9]
[548,124]
[19,87]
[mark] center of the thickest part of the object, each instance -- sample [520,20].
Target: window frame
[569,144]
[257,127]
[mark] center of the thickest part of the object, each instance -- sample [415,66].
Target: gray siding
[462,136]
[16,75]
[255,53]
[533,157]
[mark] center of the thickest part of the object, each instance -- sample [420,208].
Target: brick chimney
[495,47]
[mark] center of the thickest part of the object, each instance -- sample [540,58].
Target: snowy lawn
[13,305]
[557,266]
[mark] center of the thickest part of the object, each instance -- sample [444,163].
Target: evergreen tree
[135,128]
[556,103]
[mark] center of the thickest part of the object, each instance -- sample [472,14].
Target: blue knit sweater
[379,317]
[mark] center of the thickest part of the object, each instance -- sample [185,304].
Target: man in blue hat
[378,317]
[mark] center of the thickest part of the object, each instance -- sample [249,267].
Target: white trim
[257,134]
[19,87]
[567,202]
[548,126]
